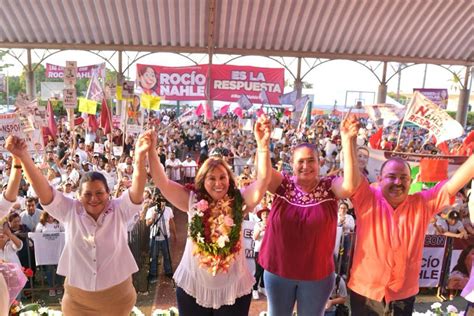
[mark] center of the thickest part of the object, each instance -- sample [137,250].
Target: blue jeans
[311,296]
[52,278]
[157,246]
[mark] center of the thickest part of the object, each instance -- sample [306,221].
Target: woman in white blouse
[96,259]
[213,276]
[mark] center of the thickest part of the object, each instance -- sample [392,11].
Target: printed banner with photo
[438,96]
[174,83]
[10,124]
[70,73]
[228,82]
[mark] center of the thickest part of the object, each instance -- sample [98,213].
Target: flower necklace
[215,230]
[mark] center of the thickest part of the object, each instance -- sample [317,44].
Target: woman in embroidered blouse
[96,259]
[297,249]
[213,277]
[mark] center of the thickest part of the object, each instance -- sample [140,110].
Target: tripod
[160,243]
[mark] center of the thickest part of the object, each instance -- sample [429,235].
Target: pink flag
[199,110]
[239,112]
[224,109]
[208,112]
[260,111]
[244,102]
[53,130]
[105,118]
[288,98]
[95,91]
[264,97]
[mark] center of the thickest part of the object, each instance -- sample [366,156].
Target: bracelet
[17,166]
[263,150]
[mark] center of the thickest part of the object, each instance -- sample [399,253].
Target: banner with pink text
[227,82]
[55,71]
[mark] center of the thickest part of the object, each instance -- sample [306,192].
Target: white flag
[187,116]
[426,114]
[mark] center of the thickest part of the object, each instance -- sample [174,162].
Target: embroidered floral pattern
[320,193]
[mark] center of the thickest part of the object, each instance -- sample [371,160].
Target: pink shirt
[389,243]
[96,255]
[301,231]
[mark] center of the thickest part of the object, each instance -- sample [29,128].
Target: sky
[331,80]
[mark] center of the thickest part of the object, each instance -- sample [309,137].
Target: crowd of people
[298,188]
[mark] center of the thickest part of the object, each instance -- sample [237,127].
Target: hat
[263,210]
[86,163]
[188,156]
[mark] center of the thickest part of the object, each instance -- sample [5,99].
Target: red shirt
[301,232]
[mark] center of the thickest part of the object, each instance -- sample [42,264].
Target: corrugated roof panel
[437,30]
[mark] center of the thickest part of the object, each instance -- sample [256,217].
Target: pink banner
[55,71]
[229,82]
[174,83]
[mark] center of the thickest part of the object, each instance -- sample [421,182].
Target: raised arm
[344,187]
[461,177]
[17,147]
[139,171]
[13,181]
[255,191]
[174,192]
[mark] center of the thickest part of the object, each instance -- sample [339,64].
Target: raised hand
[262,131]
[16,146]
[143,144]
[349,127]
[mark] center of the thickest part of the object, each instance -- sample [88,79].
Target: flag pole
[403,122]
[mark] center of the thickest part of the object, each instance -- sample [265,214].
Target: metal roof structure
[420,31]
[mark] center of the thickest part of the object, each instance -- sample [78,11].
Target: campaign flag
[264,97]
[385,114]
[95,91]
[288,98]
[244,102]
[433,170]
[239,112]
[424,113]
[208,112]
[301,103]
[150,102]
[187,116]
[105,118]
[92,123]
[224,109]
[376,139]
[303,117]
[199,110]
[53,130]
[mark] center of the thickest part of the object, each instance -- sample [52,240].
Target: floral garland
[215,230]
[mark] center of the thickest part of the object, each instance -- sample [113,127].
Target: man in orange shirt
[391,226]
